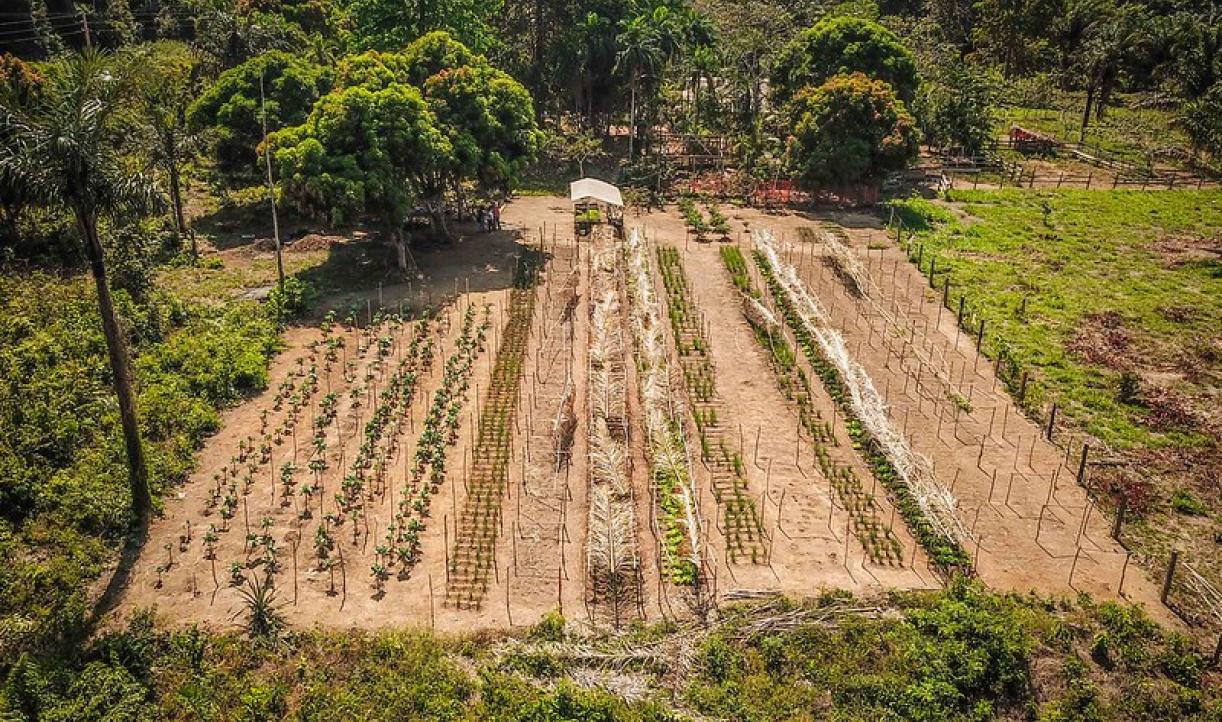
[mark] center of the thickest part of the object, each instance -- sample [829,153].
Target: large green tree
[1013,32]
[954,107]
[487,116]
[363,151]
[850,130]
[65,148]
[490,121]
[843,45]
[230,108]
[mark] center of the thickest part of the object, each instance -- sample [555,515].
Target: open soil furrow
[541,554]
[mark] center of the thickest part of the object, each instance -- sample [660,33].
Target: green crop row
[945,553]
[744,533]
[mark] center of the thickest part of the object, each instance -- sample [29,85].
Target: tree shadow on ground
[360,276]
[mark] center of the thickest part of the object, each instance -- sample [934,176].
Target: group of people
[488,218]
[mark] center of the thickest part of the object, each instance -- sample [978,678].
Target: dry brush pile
[612,555]
[675,497]
[927,506]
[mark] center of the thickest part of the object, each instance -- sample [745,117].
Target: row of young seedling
[675,495]
[386,390]
[612,550]
[401,543]
[294,396]
[931,519]
[744,533]
[471,562]
[879,541]
[697,223]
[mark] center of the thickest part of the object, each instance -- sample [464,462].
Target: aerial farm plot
[628,429]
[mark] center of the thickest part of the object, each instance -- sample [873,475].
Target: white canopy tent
[593,190]
[596,202]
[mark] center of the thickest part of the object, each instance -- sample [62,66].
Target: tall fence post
[1121,508]
[1082,464]
[1170,576]
[1052,420]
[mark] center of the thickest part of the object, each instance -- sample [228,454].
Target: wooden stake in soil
[1170,576]
[432,610]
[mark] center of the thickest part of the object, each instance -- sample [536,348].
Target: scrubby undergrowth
[960,654]
[64,495]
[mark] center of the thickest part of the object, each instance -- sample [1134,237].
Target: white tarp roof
[594,189]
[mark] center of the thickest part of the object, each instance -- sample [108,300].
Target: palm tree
[167,87]
[640,53]
[62,147]
[594,47]
[263,617]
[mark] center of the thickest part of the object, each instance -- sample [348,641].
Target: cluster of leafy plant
[879,541]
[945,553]
[716,222]
[743,529]
[480,522]
[440,428]
[962,653]
[692,216]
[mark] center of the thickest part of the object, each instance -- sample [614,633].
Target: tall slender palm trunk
[180,220]
[632,120]
[120,367]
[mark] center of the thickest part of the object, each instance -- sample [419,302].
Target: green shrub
[1185,502]
[291,301]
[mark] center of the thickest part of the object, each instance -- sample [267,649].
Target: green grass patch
[1076,288]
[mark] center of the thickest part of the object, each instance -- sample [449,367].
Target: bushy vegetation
[958,654]
[849,130]
[63,474]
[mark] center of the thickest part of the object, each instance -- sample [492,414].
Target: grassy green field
[1111,302]
[961,654]
[1037,267]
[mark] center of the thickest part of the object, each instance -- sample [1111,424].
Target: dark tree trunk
[1105,95]
[440,227]
[180,220]
[1090,99]
[120,367]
